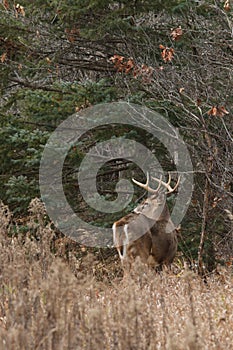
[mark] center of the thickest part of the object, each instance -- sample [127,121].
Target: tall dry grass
[49,301]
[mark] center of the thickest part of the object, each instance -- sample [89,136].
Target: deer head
[153,206]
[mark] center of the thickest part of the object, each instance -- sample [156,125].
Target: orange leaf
[227,6]
[176,33]
[217,111]
[163,54]
[118,62]
[3,57]
[167,54]
[115,58]
[212,111]
[170,55]
[6,4]
[222,111]
[129,65]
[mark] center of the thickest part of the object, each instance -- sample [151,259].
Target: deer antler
[167,184]
[146,185]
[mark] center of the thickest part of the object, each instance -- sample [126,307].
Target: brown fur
[147,233]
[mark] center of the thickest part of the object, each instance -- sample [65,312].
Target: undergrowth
[55,294]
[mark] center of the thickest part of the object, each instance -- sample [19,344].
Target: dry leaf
[176,33]
[216,200]
[212,111]
[117,58]
[227,6]
[19,10]
[222,111]
[48,60]
[3,57]
[6,4]
[229,214]
[161,47]
[118,62]
[218,111]
[167,53]
[129,65]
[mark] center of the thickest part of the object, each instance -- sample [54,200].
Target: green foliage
[20,154]
[53,107]
[22,139]
[20,191]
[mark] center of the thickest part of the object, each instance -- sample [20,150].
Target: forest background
[175,57]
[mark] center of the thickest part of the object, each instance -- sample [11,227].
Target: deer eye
[145,205]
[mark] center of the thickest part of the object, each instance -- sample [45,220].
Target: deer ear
[137,210]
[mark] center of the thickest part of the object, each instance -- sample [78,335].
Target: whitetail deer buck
[148,232]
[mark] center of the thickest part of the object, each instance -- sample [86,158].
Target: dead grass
[49,300]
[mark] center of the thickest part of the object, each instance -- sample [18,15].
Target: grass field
[54,299]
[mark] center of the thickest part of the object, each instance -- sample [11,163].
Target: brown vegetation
[50,299]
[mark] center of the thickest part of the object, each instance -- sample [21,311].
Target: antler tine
[146,185]
[167,184]
[160,183]
[169,178]
[177,184]
[147,179]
